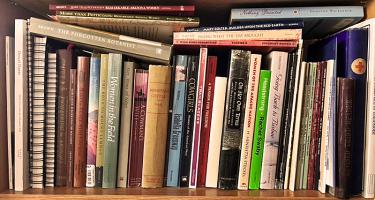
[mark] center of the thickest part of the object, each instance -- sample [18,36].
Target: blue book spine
[252,26]
[352,59]
[177,123]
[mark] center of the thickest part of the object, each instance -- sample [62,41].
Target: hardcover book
[233,120]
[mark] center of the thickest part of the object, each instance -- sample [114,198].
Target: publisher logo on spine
[359,66]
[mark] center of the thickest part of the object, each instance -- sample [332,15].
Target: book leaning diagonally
[139,48]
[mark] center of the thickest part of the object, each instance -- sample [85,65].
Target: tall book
[10,72]
[234,118]
[125,129]
[51,100]
[345,107]
[216,131]
[203,54]
[260,129]
[156,126]
[138,128]
[113,120]
[177,121]
[144,49]
[249,122]
[206,121]
[191,87]
[92,121]
[80,137]
[101,119]
[21,142]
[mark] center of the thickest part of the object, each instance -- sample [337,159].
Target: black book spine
[192,75]
[233,121]
[285,122]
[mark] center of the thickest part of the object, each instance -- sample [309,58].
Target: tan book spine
[156,126]
[80,142]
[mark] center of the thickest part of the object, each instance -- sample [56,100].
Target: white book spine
[216,131]
[278,65]
[296,131]
[248,130]
[126,120]
[21,160]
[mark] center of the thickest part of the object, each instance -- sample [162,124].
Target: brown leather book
[80,137]
[345,99]
[157,110]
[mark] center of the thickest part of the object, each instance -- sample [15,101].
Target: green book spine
[260,128]
[113,119]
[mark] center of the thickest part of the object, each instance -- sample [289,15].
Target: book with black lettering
[191,87]
[233,119]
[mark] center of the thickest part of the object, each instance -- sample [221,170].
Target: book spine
[278,65]
[125,129]
[101,119]
[177,121]
[92,121]
[259,130]
[30,59]
[236,43]
[138,128]
[206,121]
[113,120]
[71,125]
[80,137]
[135,47]
[346,91]
[156,126]
[234,118]
[198,117]
[248,130]
[64,64]
[191,87]
[283,34]
[21,161]
[216,131]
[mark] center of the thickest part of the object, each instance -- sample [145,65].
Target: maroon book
[138,128]
[186,10]
[206,125]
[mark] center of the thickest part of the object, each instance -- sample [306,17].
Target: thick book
[125,124]
[352,59]
[156,126]
[177,121]
[92,120]
[100,138]
[346,96]
[139,48]
[249,122]
[234,118]
[216,131]
[206,120]
[80,137]
[150,27]
[318,21]
[260,129]
[71,127]
[64,63]
[112,127]
[154,9]
[260,45]
[277,62]
[137,134]
[191,87]
[203,56]
[51,107]
[21,140]
[10,72]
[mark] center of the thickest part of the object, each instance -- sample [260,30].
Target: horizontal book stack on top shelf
[135,101]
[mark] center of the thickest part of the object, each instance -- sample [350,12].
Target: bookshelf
[11,9]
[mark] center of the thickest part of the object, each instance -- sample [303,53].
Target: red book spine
[80,138]
[206,126]
[236,43]
[138,128]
